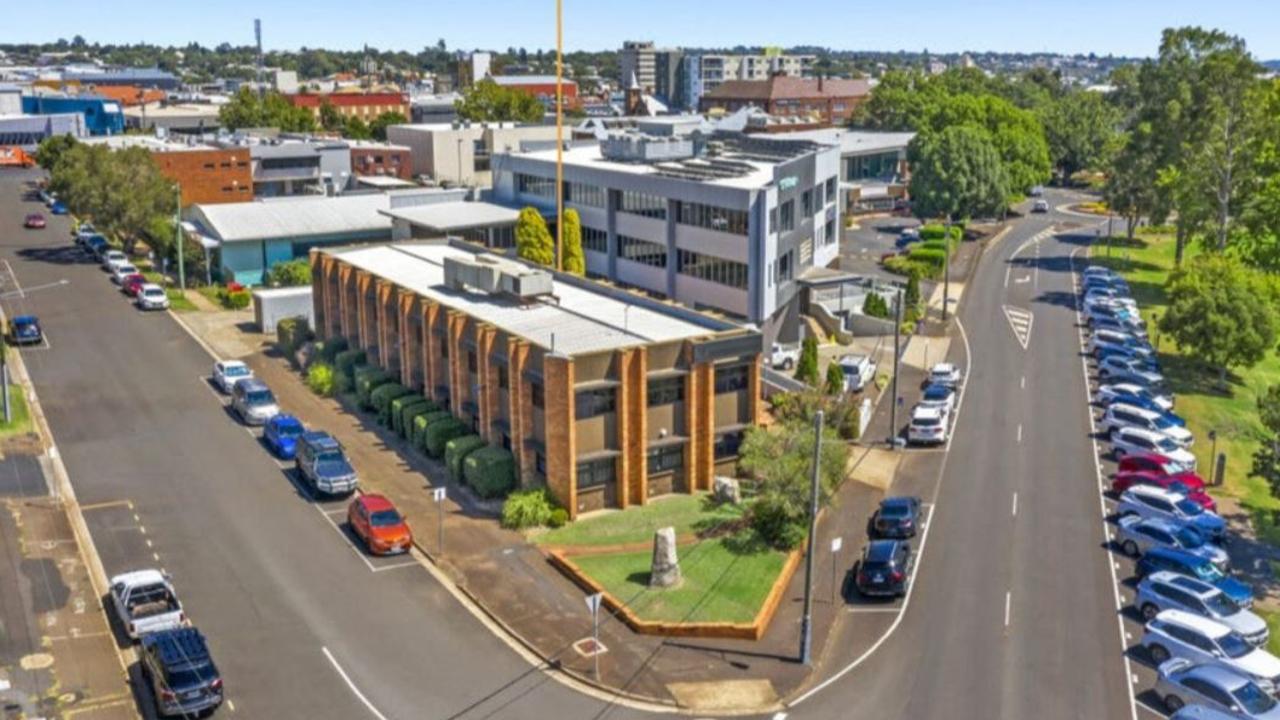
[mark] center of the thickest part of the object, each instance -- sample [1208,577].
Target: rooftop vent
[496,276]
[637,147]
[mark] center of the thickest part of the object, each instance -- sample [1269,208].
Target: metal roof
[295,217]
[451,216]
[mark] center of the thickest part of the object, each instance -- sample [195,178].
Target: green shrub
[420,425]
[875,306]
[777,523]
[936,231]
[851,422]
[234,299]
[342,384]
[329,349]
[440,433]
[290,273]
[927,256]
[291,333]
[456,450]
[903,265]
[345,362]
[398,407]
[528,508]
[559,517]
[367,379]
[320,378]
[410,415]
[380,400]
[490,471]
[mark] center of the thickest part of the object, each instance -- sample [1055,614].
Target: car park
[859,372]
[1170,591]
[939,396]
[122,271]
[1128,439]
[281,434]
[130,285]
[145,602]
[226,373]
[1120,415]
[1132,394]
[928,425]
[1200,691]
[111,258]
[322,464]
[151,297]
[25,330]
[945,374]
[885,569]
[1137,535]
[253,402]
[1184,563]
[34,221]
[1178,634]
[379,525]
[1145,501]
[1187,484]
[179,670]
[896,517]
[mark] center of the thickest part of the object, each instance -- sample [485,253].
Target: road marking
[1008,600]
[1020,321]
[1024,382]
[1019,433]
[1015,504]
[1021,280]
[873,609]
[355,690]
[105,505]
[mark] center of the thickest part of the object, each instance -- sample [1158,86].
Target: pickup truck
[784,357]
[145,602]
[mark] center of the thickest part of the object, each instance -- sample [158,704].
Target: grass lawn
[724,581]
[179,302]
[1205,408]
[21,423]
[686,513]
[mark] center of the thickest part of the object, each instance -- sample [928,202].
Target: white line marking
[1019,433]
[1024,382]
[1008,600]
[355,690]
[1020,321]
[872,610]
[397,566]
[1015,504]
[346,541]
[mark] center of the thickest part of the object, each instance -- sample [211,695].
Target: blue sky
[1127,27]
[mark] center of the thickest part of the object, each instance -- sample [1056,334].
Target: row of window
[642,251]
[731,379]
[535,185]
[638,203]
[713,218]
[665,391]
[714,269]
[783,217]
[593,239]
[590,403]
[584,194]
[595,473]
[668,458]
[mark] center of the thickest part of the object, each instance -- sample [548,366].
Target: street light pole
[897,366]
[178,239]
[559,134]
[946,269]
[806,624]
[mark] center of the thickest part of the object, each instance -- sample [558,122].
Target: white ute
[146,602]
[784,357]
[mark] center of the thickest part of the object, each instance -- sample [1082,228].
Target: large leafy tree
[121,191]
[533,239]
[487,101]
[52,148]
[378,126]
[1081,128]
[248,110]
[572,260]
[957,172]
[780,458]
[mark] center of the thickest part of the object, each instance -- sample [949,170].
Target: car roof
[251,383]
[179,645]
[232,363]
[937,388]
[945,367]
[1181,556]
[898,501]
[319,438]
[23,319]
[1153,491]
[1152,456]
[882,550]
[146,287]
[1151,435]
[1204,625]
[852,359]
[139,577]
[1203,712]
[1159,523]
[283,419]
[375,502]
[1141,411]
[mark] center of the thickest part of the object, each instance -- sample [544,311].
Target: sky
[1119,27]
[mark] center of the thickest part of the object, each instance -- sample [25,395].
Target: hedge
[935,231]
[440,433]
[456,450]
[291,333]
[490,471]
[420,425]
[902,265]
[928,256]
[330,348]
[320,378]
[367,380]
[397,410]
[411,413]
[380,399]
[528,508]
[345,362]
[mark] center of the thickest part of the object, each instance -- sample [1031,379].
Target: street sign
[438,494]
[593,602]
[836,544]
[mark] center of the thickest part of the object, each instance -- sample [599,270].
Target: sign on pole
[836,544]
[439,494]
[593,602]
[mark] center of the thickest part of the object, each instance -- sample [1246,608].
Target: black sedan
[885,569]
[897,517]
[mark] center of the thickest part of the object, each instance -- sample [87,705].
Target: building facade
[542,87]
[206,174]
[365,106]
[657,71]
[607,398]
[28,131]
[826,101]
[101,116]
[874,173]
[703,72]
[461,153]
[380,159]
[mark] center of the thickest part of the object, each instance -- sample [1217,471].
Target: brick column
[349,314]
[457,369]
[384,293]
[408,348]
[333,297]
[561,440]
[487,374]
[700,421]
[432,315]
[365,313]
[633,471]
[520,409]
[319,294]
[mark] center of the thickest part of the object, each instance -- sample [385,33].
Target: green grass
[179,302]
[1273,623]
[686,513]
[725,580]
[210,292]
[21,423]
[1146,264]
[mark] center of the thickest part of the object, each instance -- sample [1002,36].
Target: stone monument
[665,571]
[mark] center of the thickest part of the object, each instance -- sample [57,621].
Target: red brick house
[365,106]
[829,101]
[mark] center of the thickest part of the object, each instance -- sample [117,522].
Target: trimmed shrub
[929,256]
[291,333]
[320,378]
[368,379]
[490,471]
[936,231]
[345,362]
[559,516]
[234,299]
[327,350]
[440,433]
[456,450]
[528,508]
[420,425]
[875,306]
[411,413]
[380,400]
[397,410]
[902,265]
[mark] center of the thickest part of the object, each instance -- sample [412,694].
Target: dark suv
[180,672]
[323,466]
[885,568]
[897,517]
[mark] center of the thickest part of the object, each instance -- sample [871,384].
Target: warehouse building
[607,397]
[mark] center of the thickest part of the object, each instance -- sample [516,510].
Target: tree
[356,129]
[1082,129]
[330,118]
[1130,190]
[247,110]
[573,261]
[52,148]
[487,101]
[875,306]
[835,379]
[1221,312]
[291,273]
[911,295]
[780,458]
[957,172]
[807,365]
[378,127]
[1266,461]
[533,239]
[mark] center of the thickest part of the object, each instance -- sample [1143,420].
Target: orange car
[377,522]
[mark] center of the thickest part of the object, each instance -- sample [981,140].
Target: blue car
[281,435]
[1125,353]
[1184,563]
[57,208]
[25,330]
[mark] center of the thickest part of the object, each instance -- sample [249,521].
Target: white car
[1121,415]
[112,258]
[784,357]
[929,425]
[1100,340]
[122,271]
[1040,206]
[859,371]
[1109,395]
[1179,634]
[1098,271]
[151,297]
[226,373]
[946,374]
[1127,440]
[146,602]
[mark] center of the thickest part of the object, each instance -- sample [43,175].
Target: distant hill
[1271,64]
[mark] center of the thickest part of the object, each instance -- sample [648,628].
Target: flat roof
[590,156]
[852,142]
[296,217]
[582,319]
[383,181]
[154,144]
[451,216]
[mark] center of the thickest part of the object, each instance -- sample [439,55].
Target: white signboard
[438,494]
[593,602]
[836,544]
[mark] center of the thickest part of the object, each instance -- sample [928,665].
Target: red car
[34,221]
[1187,483]
[1148,462]
[377,522]
[131,284]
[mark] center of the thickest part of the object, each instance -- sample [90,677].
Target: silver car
[1166,590]
[1179,634]
[253,402]
[1184,684]
[1138,534]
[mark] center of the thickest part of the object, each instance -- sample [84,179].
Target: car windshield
[936,392]
[1189,507]
[289,430]
[1166,444]
[192,676]
[1164,423]
[1190,538]
[1234,645]
[154,292]
[260,397]
[1221,604]
[1178,487]
[1253,699]
[235,371]
[331,456]
[385,518]
[894,511]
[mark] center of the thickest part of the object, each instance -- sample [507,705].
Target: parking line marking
[397,566]
[1024,382]
[355,690]
[105,505]
[873,609]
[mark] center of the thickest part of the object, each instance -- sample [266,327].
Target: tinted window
[1253,699]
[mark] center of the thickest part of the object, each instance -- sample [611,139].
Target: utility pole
[177,235]
[559,134]
[946,271]
[897,366]
[806,625]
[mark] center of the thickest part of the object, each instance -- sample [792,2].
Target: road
[167,478]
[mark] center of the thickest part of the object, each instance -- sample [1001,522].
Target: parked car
[1184,563]
[1100,339]
[1036,191]
[130,285]
[57,208]
[859,372]
[379,525]
[180,672]
[784,357]
[1150,462]
[97,246]
[1120,415]
[1112,296]
[1108,308]
[151,297]
[1126,440]
[122,271]
[897,517]
[145,602]
[34,221]
[1120,324]
[83,231]
[1171,591]
[226,373]
[1137,535]
[1178,634]
[1098,271]
[939,396]
[322,464]
[1146,501]
[1188,484]
[25,330]
[253,402]
[945,374]
[281,434]
[1131,394]
[111,258]
[1203,691]
[1112,282]
[885,568]
[928,425]
[908,236]
[1126,358]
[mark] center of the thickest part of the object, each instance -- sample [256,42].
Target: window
[787,216]
[590,403]
[727,445]
[638,203]
[584,194]
[444,346]
[595,473]
[593,239]
[731,379]
[773,220]
[503,381]
[831,188]
[830,232]
[540,463]
[536,394]
[785,267]
[471,361]
[713,218]
[666,459]
[666,391]
[708,267]
[642,251]
[806,203]
[535,185]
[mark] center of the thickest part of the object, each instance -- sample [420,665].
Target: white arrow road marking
[1021,280]
[1020,320]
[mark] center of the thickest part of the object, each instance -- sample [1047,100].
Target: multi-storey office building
[607,397]
[727,221]
[703,72]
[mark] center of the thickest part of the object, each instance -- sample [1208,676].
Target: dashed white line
[1008,601]
[1019,433]
[1024,382]
[352,686]
[1015,504]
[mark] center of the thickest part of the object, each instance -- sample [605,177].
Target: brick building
[607,397]
[382,159]
[365,106]
[829,101]
[542,87]
[207,175]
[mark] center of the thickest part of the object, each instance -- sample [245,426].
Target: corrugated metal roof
[449,216]
[295,217]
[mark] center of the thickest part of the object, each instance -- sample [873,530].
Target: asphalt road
[168,479]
